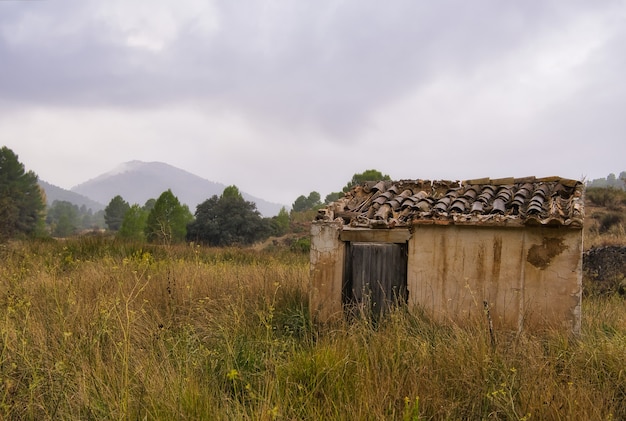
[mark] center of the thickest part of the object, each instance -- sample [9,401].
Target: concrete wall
[327,260]
[529,276]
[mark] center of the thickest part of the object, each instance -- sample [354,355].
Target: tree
[611,181]
[358,178]
[304,203]
[367,175]
[114,212]
[333,197]
[22,202]
[149,205]
[63,218]
[168,220]
[279,224]
[134,224]
[227,220]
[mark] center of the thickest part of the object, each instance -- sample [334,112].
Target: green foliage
[279,224]
[115,211]
[333,197]
[227,220]
[358,178]
[134,224]
[22,201]
[367,175]
[167,221]
[232,192]
[304,203]
[90,220]
[149,205]
[63,218]
[301,245]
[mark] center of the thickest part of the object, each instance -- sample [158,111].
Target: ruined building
[453,249]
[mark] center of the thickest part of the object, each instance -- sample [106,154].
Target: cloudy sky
[285,97]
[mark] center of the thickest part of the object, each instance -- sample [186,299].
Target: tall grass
[95,329]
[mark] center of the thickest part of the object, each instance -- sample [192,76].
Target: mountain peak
[125,167]
[138,181]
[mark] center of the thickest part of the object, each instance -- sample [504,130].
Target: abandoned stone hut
[453,249]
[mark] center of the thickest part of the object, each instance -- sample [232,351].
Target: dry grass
[604,226]
[94,329]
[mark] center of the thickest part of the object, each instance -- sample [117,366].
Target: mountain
[57,193]
[138,181]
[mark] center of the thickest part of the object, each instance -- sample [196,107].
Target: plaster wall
[529,277]
[327,260]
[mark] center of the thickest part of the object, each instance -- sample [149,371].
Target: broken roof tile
[505,201]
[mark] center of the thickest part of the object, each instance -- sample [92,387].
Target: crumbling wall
[327,260]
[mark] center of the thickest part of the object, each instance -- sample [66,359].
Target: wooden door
[375,276]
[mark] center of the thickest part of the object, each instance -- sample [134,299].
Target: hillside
[138,181]
[54,193]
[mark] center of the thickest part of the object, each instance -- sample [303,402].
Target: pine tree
[22,201]
[167,221]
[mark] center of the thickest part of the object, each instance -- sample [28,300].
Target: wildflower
[273,412]
[232,374]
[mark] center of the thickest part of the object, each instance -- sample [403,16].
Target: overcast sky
[285,97]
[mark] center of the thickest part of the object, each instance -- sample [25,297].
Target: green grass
[97,329]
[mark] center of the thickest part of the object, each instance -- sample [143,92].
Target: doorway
[375,277]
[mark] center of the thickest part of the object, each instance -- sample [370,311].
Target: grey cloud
[317,64]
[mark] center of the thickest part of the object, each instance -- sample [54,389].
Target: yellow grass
[95,329]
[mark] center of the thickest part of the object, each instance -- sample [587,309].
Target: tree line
[222,220]
[611,181]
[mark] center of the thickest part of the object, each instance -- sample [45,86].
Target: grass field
[96,329]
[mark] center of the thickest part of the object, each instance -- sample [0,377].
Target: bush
[608,220]
[608,197]
[302,245]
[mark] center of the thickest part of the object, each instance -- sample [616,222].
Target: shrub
[608,197]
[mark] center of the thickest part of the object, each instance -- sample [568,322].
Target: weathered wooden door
[375,276]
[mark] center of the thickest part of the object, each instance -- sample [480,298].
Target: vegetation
[22,202]
[609,197]
[168,219]
[228,220]
[114,212]
[610,181]
[279,224]
[134,223]
[96,328]
[305,203]
[605,221]
[63,218]
[367,175]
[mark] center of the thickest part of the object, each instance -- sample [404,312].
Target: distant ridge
[54,193]
[138,181]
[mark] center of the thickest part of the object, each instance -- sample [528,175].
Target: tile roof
[552,201]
